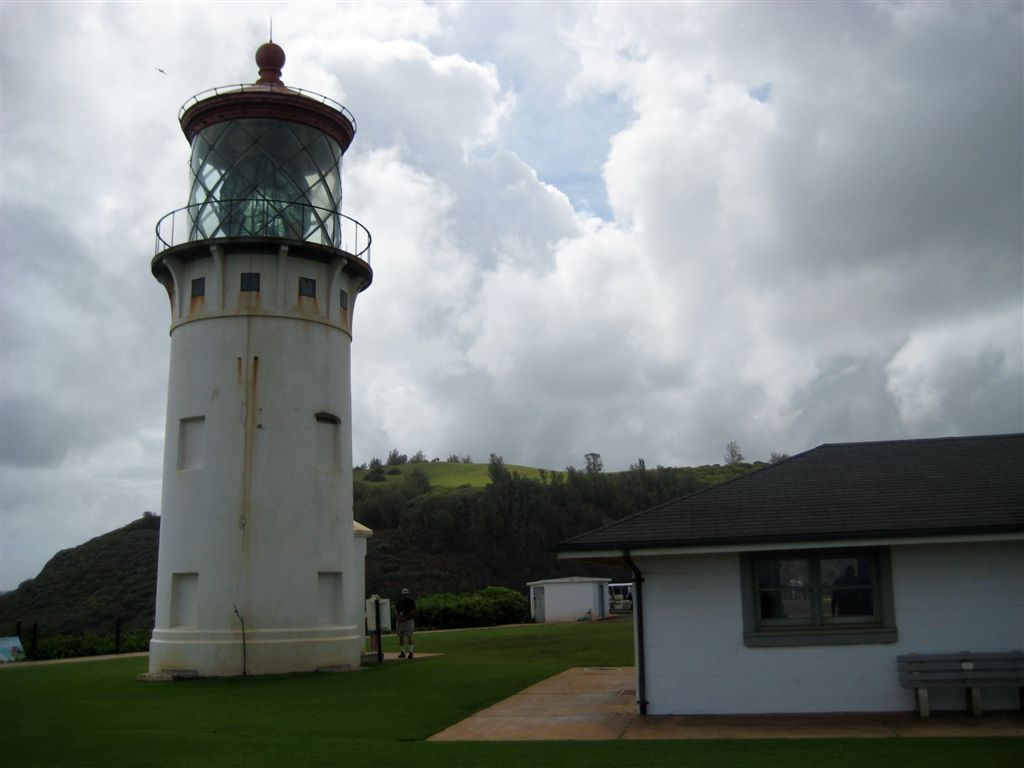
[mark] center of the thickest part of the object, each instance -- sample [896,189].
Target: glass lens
[265,178]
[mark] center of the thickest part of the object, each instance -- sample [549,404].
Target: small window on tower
[250,282]
[343,300]
[198,287]
[307,287]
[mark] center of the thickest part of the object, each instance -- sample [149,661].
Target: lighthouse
[261,564]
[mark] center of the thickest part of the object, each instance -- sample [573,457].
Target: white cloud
[954,369]
[641,230]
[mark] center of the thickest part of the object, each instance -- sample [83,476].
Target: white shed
[570,599]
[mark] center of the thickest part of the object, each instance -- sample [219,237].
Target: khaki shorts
[405,629]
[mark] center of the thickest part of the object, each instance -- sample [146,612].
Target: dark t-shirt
[406,607]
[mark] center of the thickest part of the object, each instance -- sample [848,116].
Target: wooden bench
[970,671]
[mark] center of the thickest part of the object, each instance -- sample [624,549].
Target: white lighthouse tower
[261,563]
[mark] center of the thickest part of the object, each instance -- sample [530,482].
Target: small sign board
[385,614]
[11,649]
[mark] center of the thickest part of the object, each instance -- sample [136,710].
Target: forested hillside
[431,538]
[89,587]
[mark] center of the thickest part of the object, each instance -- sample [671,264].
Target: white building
[570,599]
[261,564]
[795,588]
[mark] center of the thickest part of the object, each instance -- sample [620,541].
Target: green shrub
[486,608]
[88,644]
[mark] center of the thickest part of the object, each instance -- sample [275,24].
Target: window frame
[816,630]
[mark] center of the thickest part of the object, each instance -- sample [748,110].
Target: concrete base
[177,653]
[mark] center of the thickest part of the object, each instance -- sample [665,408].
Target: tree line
[503,534]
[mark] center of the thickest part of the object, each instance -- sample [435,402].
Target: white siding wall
[948,598]
[569,601]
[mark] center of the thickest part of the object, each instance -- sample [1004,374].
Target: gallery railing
[257,217]
[266,88]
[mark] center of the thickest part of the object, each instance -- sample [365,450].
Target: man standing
[406,609]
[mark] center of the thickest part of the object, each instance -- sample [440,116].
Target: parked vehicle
[620,597]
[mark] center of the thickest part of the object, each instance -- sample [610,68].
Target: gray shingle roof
[842,491]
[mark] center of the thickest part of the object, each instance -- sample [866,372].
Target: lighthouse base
[175,653]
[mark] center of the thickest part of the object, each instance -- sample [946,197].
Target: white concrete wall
[570,600]
[947,598]
[257,502]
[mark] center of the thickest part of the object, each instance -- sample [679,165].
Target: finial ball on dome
[270,60]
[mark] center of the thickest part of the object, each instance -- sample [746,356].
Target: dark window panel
[250,281]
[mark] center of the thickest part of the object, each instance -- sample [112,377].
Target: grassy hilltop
[445,474]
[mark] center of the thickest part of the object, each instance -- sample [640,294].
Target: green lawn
[451,475]
[96,713]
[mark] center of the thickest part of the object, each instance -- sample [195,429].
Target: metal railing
[257,217]
[209,93]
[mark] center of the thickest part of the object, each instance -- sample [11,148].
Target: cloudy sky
[638,229]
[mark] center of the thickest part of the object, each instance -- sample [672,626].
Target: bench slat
[965,655]
[965,665]
[1008,671]
[967,682]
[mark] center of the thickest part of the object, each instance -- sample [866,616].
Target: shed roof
[842,492]
[570,580]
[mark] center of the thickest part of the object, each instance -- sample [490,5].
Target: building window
[184,599]
[250,282]
[307,287]
[343,300]
[198,287]
[328,442]
[329,598]
[817,597]
[191,443]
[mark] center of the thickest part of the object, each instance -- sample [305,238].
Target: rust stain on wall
[251,411]
[308,306]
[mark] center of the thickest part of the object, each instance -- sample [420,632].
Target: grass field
[451,475]
[97,714]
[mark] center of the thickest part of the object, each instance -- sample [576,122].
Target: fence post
[380,646]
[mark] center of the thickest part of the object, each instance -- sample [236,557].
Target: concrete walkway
[73,660]
[587,703]
[371,658]
[598,703]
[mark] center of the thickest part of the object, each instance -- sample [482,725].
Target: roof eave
[866,538]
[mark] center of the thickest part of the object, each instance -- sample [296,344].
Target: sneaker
[402,655]
[410,654]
